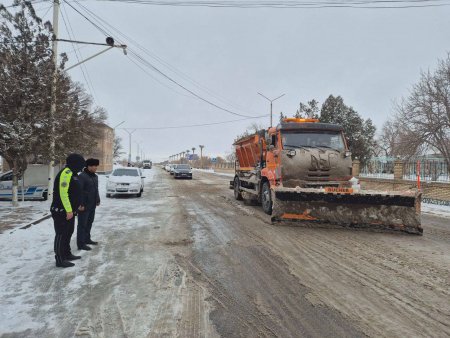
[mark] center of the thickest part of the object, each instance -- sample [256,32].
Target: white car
[125,181]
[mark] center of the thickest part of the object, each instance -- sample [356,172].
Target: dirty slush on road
[187,260]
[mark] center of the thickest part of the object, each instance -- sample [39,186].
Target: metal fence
[378,167]
[431,170]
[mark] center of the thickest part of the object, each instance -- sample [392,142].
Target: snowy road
[186,260]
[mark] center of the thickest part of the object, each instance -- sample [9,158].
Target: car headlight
[111,184]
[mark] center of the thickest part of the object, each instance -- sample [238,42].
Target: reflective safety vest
[64,184]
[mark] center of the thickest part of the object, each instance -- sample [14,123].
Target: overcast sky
[368,56]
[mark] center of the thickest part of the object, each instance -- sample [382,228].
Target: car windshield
[125,172]
[183,166]
[313,139]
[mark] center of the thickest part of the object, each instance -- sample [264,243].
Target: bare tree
[117,147]
[424,115]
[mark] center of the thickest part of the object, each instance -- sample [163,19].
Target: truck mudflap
[365,209]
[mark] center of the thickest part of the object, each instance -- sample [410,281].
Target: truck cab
[307,154]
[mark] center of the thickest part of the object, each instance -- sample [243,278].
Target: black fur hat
[92,161]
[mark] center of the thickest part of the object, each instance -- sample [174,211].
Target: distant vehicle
[146,164]
[34,183]
[171,167]
[125,181]
[182,171]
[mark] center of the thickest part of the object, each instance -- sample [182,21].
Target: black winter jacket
[66,200]
[89,189]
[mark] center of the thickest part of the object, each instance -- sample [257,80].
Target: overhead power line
[78,54]
[144,62]
[363,4]
[146,51]
[194,125]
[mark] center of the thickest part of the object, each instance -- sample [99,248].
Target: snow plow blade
[367,210]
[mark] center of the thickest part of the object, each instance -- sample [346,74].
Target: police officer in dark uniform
[66,201]
[90,200]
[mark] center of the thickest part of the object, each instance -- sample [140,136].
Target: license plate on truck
[339,190]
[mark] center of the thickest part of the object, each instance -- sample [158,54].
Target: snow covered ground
[26,256]
[211,171]
[436,210]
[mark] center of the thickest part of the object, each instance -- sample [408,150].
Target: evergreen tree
[360,133]
[309,110]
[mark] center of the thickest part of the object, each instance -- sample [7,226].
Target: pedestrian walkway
[26,212]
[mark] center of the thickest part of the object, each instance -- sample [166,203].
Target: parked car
[147,164]
[34,183]
[171,167]
[125,181]
[182,171]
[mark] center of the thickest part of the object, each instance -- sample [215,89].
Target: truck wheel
[266,198]
[237,193]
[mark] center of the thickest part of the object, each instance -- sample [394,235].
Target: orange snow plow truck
[301,170]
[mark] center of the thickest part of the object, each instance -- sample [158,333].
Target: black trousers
[63,233]
[85,220]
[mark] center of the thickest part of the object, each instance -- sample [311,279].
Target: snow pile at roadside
[211,171]
[436,210]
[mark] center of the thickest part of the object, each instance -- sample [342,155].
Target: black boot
[91,242]
[72,257]
[64,264]
[84,247]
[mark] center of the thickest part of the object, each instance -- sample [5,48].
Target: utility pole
[138,152]
[129,143]
[51,166]
[201,155]
[271,101]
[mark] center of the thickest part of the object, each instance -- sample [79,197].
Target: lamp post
[129,143]
[271,104]
[138,144]
[201,155]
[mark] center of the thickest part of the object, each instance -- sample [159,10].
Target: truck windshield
[313,139]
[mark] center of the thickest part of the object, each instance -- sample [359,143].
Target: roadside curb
[43,218]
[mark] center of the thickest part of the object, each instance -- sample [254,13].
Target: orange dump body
[248,151]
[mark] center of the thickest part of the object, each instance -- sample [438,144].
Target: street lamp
[118,125]
[129,142]
[271,104]
[201,155]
